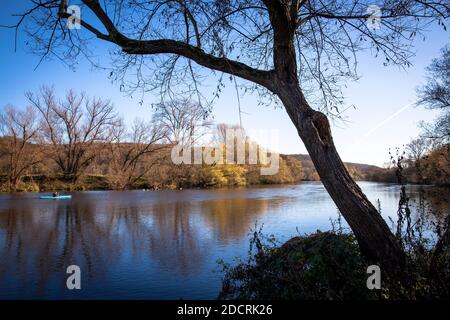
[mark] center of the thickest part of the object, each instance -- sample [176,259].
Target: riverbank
[103,183]
[166,175]
[154,170]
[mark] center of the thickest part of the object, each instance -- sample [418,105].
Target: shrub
[323,265]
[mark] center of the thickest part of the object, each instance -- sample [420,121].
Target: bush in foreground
[324,265]
[330,266]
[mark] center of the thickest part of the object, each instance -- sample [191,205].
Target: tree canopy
[435,94]
[234,37]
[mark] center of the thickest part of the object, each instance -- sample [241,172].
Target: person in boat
[55,194]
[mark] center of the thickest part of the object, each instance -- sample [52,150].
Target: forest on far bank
[153,169]
[144,164]
[81,143]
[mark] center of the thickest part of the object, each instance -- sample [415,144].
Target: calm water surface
[151,245]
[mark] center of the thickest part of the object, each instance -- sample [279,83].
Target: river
[152,244]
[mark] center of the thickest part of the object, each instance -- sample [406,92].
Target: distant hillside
[358,171]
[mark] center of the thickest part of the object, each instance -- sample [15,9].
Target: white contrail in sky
[382,123]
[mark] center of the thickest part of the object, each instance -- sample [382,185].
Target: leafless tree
[134,153]
[222,128]
[19,130]
[438,131]
[435,94]
[185,121]
[75,127]
[417,148]
[296,52]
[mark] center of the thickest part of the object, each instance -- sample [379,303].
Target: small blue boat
[56,197]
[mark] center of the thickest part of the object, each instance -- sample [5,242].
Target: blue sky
[380,121]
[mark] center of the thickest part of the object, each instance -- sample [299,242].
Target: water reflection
[148,244]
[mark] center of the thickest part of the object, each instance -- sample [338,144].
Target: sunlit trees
[415,151]
[184,121]
[436,166]
[19,130]
[417,148]
[75,128]
[133,152]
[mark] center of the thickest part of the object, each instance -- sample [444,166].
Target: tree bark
[377,242]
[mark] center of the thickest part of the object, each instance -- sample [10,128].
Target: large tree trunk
[376,241]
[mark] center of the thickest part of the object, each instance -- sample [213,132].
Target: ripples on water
[152,245]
